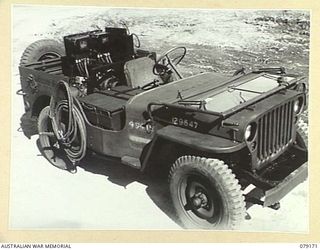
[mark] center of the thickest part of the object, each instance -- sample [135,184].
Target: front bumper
[276,193]
[276,180]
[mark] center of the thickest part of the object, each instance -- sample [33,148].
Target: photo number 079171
[212,134]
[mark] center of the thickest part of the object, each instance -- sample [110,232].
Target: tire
[47,144]
[206,194]
[41,50]
[302,135]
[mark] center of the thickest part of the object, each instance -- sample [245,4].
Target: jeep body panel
[185,138]
[36,87]
[133,133]
[199,141]
[131,139]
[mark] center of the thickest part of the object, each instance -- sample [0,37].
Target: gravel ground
[106,195]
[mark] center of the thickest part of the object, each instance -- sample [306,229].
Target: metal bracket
[254,200]
[32,83]
[20,92]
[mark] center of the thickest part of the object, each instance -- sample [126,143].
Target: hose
[73,135]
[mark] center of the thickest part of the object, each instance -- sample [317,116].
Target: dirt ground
[106,195]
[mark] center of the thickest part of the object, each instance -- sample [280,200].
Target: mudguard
[193,139]
[203,142]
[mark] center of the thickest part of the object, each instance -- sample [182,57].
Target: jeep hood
[239,92]
[219,92]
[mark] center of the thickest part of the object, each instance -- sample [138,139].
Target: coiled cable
[72,135]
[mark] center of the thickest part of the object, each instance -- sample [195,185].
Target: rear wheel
[42,50]
[206,194]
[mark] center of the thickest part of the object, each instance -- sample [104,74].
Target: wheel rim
[199,200]
[49,55]
[49,145]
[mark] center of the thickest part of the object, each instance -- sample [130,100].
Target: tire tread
[220,170]
[33,47]
[302,129]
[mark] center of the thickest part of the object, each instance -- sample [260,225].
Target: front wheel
[206,194]
[302,135]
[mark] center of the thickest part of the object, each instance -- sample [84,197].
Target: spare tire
[42,50]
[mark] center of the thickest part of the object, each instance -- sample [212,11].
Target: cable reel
[62,130]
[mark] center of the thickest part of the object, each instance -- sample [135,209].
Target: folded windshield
[237,94]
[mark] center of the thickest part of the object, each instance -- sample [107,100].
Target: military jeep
[219,134]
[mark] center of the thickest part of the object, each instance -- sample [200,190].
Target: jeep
[214,135]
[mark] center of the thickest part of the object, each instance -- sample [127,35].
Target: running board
[131,161]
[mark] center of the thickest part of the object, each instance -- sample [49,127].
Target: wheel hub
[199,200]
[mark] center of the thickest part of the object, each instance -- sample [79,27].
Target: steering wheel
[165,62]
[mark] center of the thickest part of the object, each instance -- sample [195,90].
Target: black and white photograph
[159,119]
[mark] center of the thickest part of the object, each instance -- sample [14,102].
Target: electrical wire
[80,67]
[73,135]
[85,62]
[103,58]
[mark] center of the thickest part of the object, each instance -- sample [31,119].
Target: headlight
[297,106]
[301,87]
[250,132]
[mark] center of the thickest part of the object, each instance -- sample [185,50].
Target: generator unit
[86,51]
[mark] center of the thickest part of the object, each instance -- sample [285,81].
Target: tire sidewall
[215,182]
[38,53]
[36,50]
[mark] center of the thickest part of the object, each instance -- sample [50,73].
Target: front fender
[191,139]
[199,141]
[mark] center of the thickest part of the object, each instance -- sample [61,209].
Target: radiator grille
[275,131]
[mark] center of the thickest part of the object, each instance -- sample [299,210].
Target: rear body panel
[36,85]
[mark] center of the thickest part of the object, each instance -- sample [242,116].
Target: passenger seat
[139,72]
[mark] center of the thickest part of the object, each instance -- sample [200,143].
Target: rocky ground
[105,195]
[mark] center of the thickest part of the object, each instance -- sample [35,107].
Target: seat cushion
[139,72]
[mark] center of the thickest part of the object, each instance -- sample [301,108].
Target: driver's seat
[139,72]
